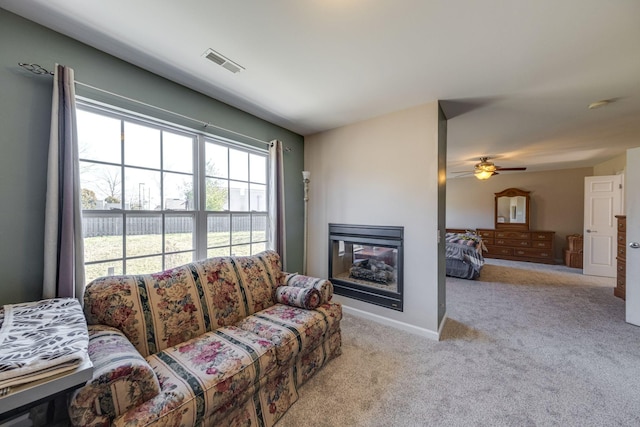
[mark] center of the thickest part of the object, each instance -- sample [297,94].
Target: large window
[155,196]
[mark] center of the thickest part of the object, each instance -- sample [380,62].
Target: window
[156,196]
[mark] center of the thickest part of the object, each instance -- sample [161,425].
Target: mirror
[512,209]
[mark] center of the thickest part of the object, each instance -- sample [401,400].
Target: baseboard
[427,333]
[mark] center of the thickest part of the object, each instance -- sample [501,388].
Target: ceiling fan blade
[510,169]
[461,174]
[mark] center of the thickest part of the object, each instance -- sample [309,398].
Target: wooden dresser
[621,272]
[532,246]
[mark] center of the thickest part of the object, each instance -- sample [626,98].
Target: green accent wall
[25,109]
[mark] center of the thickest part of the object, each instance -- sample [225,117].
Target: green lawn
[110,247]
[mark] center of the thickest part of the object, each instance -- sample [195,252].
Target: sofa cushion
[323,286]
[159,310]
[293,330]
[204,373]
[308,298]
[254,278]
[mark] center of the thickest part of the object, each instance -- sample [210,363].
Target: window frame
[199,214]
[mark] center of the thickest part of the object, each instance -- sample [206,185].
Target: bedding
[463,255]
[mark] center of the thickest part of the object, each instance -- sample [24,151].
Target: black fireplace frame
[382,236]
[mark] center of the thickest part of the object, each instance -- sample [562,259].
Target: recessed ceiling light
[599,104]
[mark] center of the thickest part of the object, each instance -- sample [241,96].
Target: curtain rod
[37,69]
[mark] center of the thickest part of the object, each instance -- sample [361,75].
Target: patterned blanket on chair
[40,339]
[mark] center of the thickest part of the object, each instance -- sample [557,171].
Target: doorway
[602,201]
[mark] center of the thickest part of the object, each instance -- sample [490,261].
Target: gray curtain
[277,230]
[63,245]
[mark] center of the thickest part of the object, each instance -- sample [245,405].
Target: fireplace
[366,263]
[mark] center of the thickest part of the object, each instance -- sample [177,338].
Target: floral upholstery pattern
[309,363]
[323,286]
[202,375]
[212,339]
[308,298]
[119,370]
[293,330]
[157,311]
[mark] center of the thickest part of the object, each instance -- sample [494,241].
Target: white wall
[382,171]
[557,201]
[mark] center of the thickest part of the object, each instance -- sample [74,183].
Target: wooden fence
[111,225]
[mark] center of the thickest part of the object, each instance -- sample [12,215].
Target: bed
[463,254]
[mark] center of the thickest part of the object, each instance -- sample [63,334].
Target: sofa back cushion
[160,310]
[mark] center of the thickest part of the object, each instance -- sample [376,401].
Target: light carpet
[515,351]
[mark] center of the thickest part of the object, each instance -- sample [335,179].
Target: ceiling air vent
[223,61]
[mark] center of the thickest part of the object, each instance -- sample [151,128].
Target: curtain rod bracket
[35,68]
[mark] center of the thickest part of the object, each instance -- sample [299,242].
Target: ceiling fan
[486,169]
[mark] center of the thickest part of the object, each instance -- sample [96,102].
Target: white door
[602,201]
[633,236]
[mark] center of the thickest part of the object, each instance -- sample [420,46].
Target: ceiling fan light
[487,167]
[483,174]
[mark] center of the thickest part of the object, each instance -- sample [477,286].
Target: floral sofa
[224,341]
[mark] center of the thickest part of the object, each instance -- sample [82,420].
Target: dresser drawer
[541,244]
[487,241]
[511,242]
[621,283]
[622,225]
[542,235]
[513,235]
[499,250]
[486,233]
[622,239]
[534,253]
[622,252]
[621,269]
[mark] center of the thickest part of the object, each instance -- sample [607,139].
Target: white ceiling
[515,76]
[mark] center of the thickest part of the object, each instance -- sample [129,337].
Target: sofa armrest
[122,379]
[299,281]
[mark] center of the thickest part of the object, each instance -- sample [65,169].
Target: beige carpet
[539,346]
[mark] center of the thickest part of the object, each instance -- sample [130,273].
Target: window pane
[241,229]
[239,165]
[217,194]
[177,152]
[144,235]
[111,268]
[258,247]
[217,160]
[101,186]
[218,231]
[98,137]
[178,233]
[144,265]
[141,146]
[102,237]
[242,250]
[176,260]
[218,252]
[258,200]
[258,168]
[142,189]
[238,196]
[258,228]
[178,191]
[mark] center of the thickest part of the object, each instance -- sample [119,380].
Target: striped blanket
[464,248]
